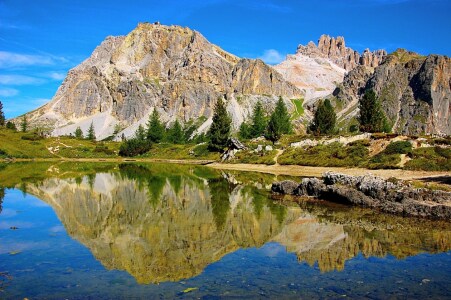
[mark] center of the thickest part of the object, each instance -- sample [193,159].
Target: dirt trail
[279,153]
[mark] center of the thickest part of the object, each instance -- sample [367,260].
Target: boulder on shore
[371,191]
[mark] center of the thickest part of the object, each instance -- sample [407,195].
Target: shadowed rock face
[172,69]
[169,226]
[414,90]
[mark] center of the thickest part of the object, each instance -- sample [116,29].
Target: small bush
[201,150]
[32,137]
[101,148]
[3,153]
[134,147]
[384,161]
[399,147]
[251,157]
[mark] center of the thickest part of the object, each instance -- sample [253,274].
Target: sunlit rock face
[172,69]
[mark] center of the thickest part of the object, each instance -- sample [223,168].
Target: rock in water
[372,191]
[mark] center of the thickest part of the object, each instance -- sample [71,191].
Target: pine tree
[175,133]
[155,130]
[279,122]
[140,133]
[220,128]
[91,133]
[245,131]
[372,118]
[324,119]
[24,124]
[78,133]
[2,115]
[259,122]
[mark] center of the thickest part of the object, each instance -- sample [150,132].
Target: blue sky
[41,40]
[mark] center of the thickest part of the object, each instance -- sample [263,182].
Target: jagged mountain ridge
[170,68]
[176,71]
[318,69]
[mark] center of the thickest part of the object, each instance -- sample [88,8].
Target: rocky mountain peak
[171,69]
[335,49]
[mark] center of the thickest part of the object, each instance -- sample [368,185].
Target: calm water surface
[101,231]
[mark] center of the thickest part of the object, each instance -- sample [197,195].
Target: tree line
[271,126]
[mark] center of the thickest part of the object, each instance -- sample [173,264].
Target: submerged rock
[372,191]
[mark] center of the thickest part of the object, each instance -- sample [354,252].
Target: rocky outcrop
[374,192]
[336,51]
[318,69]
[414,91]
[172,69]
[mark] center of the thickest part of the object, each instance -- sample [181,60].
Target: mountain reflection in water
[167,223]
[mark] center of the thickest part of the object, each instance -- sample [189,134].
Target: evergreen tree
[78,133]
[155,130]
[245,131]
[24,124]
[2,115]
[324,119]
[220,128]
[140,133]
[279,122]
[91,133]
[258,121]
[372,117]
[175,133]
[11,125]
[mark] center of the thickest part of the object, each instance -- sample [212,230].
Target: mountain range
[179,73]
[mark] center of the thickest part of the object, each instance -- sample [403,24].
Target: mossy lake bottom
[121,231]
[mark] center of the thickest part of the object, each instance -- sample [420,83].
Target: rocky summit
[317,69]
[179,73]
[172,69]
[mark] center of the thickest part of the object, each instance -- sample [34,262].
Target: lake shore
[291,170]
[306,171]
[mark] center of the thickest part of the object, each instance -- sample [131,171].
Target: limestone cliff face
[318,69]
[414,90]
[172,69]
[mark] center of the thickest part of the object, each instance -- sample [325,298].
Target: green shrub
[32,137]
[134,147]
[430,159]
[384,161]
[251,157]
[201,150]
[399,147]
[3,153]
[332,155]
[102,148]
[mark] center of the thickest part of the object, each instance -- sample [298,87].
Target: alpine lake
[164,231]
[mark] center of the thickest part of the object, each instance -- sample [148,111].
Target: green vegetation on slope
[332,155]
[430,159]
